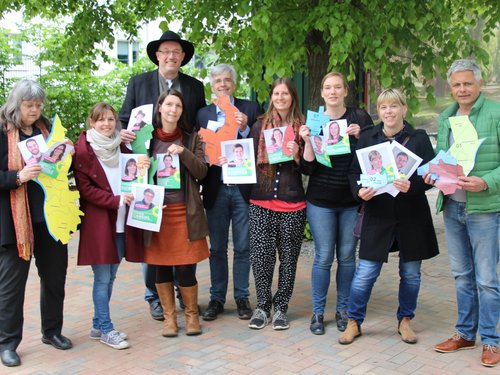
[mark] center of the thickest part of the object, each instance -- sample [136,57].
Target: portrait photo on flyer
[139,117]
[378,168]
[240,166]
[336,139]
[52,159]
[406,161]
[32,149]
[318,145]
[133,170]
[275,142]
[146,210]
[169,173]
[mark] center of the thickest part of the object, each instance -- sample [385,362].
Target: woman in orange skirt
[181,241]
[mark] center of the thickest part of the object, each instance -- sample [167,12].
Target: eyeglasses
[218,81]
[173,52]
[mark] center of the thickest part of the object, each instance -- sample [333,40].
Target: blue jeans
[473,247]
[104,276]
[149,275]
[229,207]
[365,277]
[332,233]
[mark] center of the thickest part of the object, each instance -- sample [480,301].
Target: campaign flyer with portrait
[32,149]
[140,122]
[133,170]
[336,139]
[240,166]
[378,168]
[407,162]
[169,173]
[318,144]
[146,210]
[276,140]
[52,159]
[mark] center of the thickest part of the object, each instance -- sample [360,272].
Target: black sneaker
[259,319]
[342,319]
[214,308]
[244,309]
[317,326]
[280,321]
[156,310]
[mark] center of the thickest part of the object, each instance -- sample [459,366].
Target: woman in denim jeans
[104,237]
[402,223]
[331,208]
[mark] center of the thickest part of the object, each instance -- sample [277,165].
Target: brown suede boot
[190,297]
[407,334]
[167,299]
[352,331]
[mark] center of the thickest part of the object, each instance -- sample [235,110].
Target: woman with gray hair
[23,230]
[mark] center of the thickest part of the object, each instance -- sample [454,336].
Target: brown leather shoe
[406,332]
[491,356]
[352,331]
[456,342]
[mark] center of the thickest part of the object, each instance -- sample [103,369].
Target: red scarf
[19,197]
[168,137]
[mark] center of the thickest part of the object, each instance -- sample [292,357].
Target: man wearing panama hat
[170,52]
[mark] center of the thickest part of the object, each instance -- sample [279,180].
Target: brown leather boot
[167,299]
[407,334]
[352,331]
[190,297]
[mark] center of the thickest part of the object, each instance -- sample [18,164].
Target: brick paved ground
[227,346]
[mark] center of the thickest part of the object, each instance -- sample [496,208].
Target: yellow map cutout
[466,142]
[61,208]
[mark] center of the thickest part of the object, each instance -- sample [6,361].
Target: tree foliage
[392,39]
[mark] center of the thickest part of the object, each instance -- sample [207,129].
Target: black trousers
[51,260]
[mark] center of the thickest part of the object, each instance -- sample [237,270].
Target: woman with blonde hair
[392,224]
[331,208]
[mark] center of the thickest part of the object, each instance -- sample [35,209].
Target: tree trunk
[317,64]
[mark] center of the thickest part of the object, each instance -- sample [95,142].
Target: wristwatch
[18,179]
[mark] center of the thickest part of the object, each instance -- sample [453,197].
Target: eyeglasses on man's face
[173,52]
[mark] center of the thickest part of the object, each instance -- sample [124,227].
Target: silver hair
[23,90]
[464,65]
[222,68]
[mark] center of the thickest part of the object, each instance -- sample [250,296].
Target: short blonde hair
[391,96]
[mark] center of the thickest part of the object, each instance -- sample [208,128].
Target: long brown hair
[294,111]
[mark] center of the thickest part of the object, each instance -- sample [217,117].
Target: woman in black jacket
[402,223]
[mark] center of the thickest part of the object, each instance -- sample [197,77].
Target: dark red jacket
[98,229]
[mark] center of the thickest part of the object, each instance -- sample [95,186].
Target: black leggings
[185,274]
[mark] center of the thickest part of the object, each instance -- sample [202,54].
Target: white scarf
[107,149]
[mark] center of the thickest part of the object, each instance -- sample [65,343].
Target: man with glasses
[227,204]
[170,52]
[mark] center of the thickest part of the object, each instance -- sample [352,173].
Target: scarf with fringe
[19,197]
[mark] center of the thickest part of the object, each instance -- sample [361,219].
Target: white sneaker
[114,340]
[95,334]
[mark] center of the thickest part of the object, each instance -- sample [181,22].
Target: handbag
[359,221]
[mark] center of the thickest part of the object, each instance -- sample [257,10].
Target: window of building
[122,50]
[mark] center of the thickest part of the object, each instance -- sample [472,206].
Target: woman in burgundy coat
[104,237]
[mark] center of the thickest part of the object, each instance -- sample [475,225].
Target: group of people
[267,218]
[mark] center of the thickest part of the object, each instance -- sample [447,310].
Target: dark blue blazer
[145,89]
[212,182]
